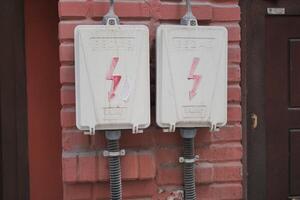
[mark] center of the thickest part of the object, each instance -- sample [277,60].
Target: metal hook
[111,18]
[189,18]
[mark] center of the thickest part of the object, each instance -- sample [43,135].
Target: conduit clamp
[185,160]
[114,153]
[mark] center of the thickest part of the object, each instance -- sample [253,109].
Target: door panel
[282,89]
[295,162]
[294,49]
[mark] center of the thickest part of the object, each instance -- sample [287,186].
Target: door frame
[253,72]
[13,99]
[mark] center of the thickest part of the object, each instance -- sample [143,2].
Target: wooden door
[14,180]
[271,80]
[282,104]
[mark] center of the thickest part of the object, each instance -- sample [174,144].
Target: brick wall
[150,170]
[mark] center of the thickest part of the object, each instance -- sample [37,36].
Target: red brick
[234,33]
[167,155]
[143,140]
[66,52]
[220,191]
[175,11]
[122,9]
[66,28]
[129,166]
[67,74]
[174,175]
[226,13]
[227,172]
[234,53]
[220,152]
[234,113]
[103,169]
[69,169]
[82,191]
[234,93]
[227,134]
[133,165]
[204,173]
[147,166]
[74,140]
[68,118]
[131,190]
[87,167]
[163,139]
[234,74]
[169,175]
[74,9]
[67,93]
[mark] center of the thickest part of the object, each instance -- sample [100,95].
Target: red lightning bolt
[195,77]
[115,78]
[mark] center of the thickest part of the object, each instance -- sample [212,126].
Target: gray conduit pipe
[113,153]
[188,161]
[188,134]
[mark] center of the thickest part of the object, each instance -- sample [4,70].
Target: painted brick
[87,168]
[175,11]
[150,169]
[66,52]
[234,93]
[123,9]
[234,113]
[67,74]
[226,13]
[221,152]
[75,140]
[234,54]
[147,166]
[132,190]
[73,9]
[66,28]
[234,74]
[220,191]
[103,172]
[226,134]
[170,175]
[67,93]
[69,168]
[130,166]
[81,191]
[67,116]
[226,172]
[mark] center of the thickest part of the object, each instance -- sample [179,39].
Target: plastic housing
[112,77]
[191,76]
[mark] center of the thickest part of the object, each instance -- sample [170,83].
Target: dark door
[13,103]
[282,107]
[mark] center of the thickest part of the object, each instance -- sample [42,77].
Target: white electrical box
[191,76]
[112,77]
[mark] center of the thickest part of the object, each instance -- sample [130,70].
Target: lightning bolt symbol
[114,78]
[195,77]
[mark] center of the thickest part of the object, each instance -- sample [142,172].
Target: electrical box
[191,76]
[112,77]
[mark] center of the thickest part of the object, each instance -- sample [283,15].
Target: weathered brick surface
[150,169]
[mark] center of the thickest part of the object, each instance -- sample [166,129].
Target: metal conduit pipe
[188,134]
[113,153]
[188,161]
